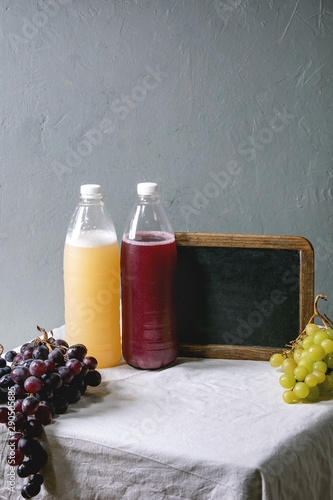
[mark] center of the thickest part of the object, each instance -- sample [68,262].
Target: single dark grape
[10,355]
[77,351]
[26,445]
[91,362]
[18,404]
[27,354]
[32,489]
[49,405]
[24,346]
[6,382]
[17,358]
[52,380]
[33,428]
[61,342]
[5,370]
[18,391]
[24,492]
[84,369]
[30,405]
[3,362]
[40,352]
[50,365]
[93,378]
[38,479]
[66,374]
[19,374]
[57,356]
[37,367]
[44,415]
[33,384]
[74,365]
[24,469]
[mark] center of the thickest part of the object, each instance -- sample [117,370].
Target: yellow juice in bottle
[92,299]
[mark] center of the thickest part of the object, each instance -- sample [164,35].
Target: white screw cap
[91,190]
[147,188]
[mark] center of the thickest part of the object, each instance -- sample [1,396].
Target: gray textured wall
[227,104]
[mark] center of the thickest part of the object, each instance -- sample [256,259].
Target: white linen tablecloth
[199,429]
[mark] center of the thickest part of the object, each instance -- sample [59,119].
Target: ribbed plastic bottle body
[92,282]
[148,275]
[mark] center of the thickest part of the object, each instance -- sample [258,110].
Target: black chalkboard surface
[242,296]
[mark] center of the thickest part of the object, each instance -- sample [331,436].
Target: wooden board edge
[306,286]
[243,241]
[227,351]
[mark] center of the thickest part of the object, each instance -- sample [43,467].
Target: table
[199,429]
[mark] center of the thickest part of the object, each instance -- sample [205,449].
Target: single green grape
[314,394]
[297,354]
[329,332]
[320,365]
[329,378]
[300,373]
[307,341]
[311,380]
[311,329]
[320,376]
[287,380]
[325,386]
[301,390]
[327,344]
[329,360]
[289,365]
[289,397]
[307,363]
[276,360]
[316,352]
[319,337]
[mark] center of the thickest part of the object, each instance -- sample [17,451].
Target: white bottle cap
[147,188]
[91,190]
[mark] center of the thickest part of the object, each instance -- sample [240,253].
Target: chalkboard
[242,296]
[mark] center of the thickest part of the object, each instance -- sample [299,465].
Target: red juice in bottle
[148,274]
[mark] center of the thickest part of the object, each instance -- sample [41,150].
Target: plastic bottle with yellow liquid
[92,279]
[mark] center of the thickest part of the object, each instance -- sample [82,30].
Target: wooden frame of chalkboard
[242,296]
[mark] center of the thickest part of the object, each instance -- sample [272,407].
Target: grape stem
[1,349]
[330,322]
[327,322]
[317,313]
[46,340]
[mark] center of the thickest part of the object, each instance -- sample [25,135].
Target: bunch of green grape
[308,365]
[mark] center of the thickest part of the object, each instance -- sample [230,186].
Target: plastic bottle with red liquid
[148,278]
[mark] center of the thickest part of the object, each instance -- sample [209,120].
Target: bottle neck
[148,198]
[91,200]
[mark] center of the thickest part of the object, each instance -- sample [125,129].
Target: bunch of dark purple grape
[44,378]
